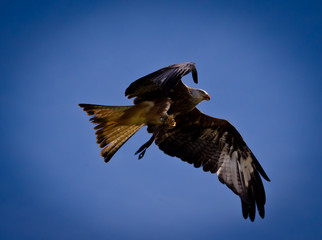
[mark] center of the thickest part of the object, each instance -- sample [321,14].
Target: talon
[145,146]
[170,122]
[142,154]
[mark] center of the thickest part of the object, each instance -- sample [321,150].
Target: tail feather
[109,151]
[101,125]
[104,112]
[111,135]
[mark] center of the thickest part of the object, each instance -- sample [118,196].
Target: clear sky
[259,60]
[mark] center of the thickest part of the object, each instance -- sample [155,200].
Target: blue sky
[259,61]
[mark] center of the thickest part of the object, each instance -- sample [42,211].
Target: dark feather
[161,82]
[216,145]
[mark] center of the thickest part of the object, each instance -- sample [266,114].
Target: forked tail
[110,134]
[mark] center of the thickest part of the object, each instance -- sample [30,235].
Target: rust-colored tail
[111,134]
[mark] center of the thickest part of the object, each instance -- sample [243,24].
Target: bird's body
[168,108]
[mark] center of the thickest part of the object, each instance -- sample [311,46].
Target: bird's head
[205,95]
[199,95]
[202,95]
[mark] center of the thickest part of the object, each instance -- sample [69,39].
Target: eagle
[164,104]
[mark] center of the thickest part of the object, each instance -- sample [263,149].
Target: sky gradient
[259,61]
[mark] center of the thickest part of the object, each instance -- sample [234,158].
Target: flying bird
[164,104]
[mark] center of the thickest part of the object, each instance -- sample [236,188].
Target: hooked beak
[207,97]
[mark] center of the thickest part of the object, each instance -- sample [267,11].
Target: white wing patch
[228,172]
[235,171]
[246,168]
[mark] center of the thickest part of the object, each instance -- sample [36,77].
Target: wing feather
[160,82]
[216,145]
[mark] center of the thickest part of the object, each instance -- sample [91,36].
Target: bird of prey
[164,104]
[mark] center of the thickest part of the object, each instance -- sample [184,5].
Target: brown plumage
[168,108]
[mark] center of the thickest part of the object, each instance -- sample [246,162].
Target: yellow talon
[170,122]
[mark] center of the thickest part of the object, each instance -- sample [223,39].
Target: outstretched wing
[217,146]
[160,83]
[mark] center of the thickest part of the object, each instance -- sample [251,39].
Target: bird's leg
[146,145]
[167,120]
